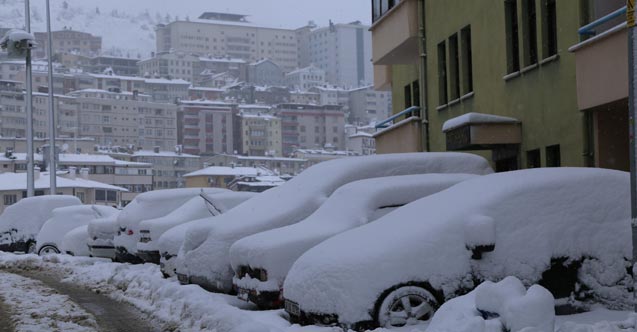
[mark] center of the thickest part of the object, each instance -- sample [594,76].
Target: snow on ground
[35,307]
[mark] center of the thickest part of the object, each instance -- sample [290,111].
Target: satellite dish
[65,147]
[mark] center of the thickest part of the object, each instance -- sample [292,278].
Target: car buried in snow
[567,229]
[205,251]
[262,261]
[198,207]
[21,222]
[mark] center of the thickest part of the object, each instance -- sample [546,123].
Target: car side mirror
[479,235]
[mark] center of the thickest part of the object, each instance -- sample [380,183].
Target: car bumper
[183,279]
[298,316]
[102,251]
[149,256]
[14,247]
[265,300]
[210,285]
[123,256]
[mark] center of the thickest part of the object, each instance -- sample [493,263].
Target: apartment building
[221,34]
[125,118]
[367,105]
[305,78]
[343,51]
[311,127]
[68,41]
[212,65]
[280,165]
[265,73]
[260,134]
[169,167]
[170,65]
[206,127]
[119,65]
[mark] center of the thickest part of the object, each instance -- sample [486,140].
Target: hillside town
[388,166]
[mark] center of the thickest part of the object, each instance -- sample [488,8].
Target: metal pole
[29,109]
[632,104]
[52,164]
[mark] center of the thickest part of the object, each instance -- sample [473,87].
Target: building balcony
[395,35]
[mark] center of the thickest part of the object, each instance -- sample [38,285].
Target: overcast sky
[275,13]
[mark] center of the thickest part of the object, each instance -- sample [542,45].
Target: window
[415,88]
[529,21]
[408,96]
[80,196]
[467,62]
[553,157]
[10,199]
[533,159]
[111,196]
[442,74]
[549,28]
[100,195]
[513,47]
[454,70]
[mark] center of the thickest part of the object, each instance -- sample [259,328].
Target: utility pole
[632,70]
[52,164]
[29,108]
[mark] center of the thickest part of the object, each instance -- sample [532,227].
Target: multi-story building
[311,127]
[305,97]
[68,41]
[166,91]
[212,65]
[367,105]
[265,73]
[119,65]
[126,119]
[492,69]
[361,143]
[343,51]
[170,65]
[220,35]
[305,78]
[206,127]
[260,134]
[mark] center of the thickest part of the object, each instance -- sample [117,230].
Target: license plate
[182,278]
[292,308]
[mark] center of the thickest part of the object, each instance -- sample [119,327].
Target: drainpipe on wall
[424,110]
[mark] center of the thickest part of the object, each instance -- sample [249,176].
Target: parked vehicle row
[373,241]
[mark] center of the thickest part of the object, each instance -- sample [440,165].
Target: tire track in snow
[5,319]
[110,315]
[35,307]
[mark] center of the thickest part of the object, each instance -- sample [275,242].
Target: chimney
[156,149]
[84,173]
[72,173]
[37,173]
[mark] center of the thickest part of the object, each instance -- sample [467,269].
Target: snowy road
[39,299]
[5,321]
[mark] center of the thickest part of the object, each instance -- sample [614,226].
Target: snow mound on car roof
[541,214]
[29,214]
[350,206]
[298,198]
[506,305]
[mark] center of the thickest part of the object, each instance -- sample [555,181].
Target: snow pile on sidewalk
[35,307]
[495,307]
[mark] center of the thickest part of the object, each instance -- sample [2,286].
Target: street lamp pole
[632,114]
[52,164]
[29,108]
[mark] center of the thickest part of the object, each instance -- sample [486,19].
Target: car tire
[47,250]
[31,248]
[407,305]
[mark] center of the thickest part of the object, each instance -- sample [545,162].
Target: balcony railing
[409,112]
[588,29]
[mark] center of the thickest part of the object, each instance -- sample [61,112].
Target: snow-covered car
[149,205]
[206,247]
[64,220]
[262,261]
[75,242]
[20,223]
[100,236]
[198,207]
[171,242]
[567,229]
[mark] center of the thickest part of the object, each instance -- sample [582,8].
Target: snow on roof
[325,152]
[127,93]
[166,81]
[18,181]
[361,134]
[119,77]
[259,116]
[231,60]
[230,171]
[70,158]
[254,106]
[475,118]
[269,158]
[201,88]
[149,153]
[206,103]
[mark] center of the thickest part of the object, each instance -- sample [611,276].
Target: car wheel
[406,305]
[31,247]
[47,250]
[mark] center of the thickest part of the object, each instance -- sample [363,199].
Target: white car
[75,242]
[20,223]
[149,205]
[567,229]
[204,205]
[206,248]
[262,261]
[64,220]
[100,236]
